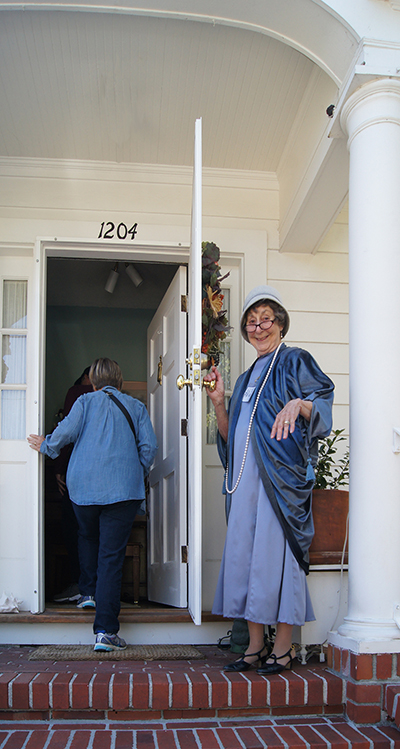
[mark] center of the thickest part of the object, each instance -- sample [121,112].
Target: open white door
[195,395]
[175,490]
[166,345]
[21,568]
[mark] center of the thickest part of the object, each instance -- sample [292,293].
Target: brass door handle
[181,382]
[210,384]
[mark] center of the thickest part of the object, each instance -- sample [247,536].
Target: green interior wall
[78,335]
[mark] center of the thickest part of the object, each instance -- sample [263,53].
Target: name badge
[248,393]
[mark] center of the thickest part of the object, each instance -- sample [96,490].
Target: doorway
[85,321]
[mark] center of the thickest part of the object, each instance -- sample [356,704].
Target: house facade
[300,105]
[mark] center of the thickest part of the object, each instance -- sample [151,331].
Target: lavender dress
[259,580]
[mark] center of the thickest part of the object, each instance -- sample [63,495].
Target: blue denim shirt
[106,464]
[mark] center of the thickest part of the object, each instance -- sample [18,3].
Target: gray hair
[105,372]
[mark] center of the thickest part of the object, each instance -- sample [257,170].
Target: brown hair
[105,372]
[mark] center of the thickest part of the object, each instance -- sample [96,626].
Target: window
[13,362]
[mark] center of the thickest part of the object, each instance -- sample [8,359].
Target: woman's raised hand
[286,419]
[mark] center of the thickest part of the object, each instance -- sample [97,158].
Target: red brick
[330,656]
[277,688]
[188,714]
[100,685]
[37,739]
[194,724]
[355,739]
[136,726]
[364,693]
[16,740]
[80,691]
[119,699]
[78,726]
[296,688]
[290,737]
[186,739]
[315,689]
[380,741]
[239,690]
[207,738]
[78,715]
[363,713]
[180,691]
[397,657]
[80,739]
[134,715]
[60,690]
[102,740]
[384,666]
[361,666]
[124,739]
[228,738]
[140,691]
[25,715]
[247,712]
[258,687]
[305,710]
[40,691]
[345,662]
[311,737]
[4,682]
[59,740]
[165,740]
[219,690]
[332,737]
[270,737]
[199,690]
[160,687]
[334,689]
[391,692]
[249,738]
[334,709]
[20,691]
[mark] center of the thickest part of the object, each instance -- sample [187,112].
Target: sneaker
[68,595]
[86,602]
[109,642]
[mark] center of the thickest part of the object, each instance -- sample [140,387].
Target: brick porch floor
[168,704]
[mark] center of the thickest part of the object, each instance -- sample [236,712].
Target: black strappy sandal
[275,667]
[242,665]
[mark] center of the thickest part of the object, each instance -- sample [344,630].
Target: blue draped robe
[283,465]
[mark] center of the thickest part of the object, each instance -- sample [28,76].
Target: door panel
[166,344]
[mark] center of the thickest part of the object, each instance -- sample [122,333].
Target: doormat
[132,653]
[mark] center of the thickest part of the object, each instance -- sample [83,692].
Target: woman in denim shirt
[105,480]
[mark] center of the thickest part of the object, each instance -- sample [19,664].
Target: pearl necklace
[231,491]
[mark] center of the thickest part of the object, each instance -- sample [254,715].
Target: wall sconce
[112,279]
[133,274]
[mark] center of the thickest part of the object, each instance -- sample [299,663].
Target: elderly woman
[114,447]
[268,443]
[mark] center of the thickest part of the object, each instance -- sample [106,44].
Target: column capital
[377,101]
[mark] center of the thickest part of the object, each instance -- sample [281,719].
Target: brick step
[392,703]
[296,733]
[165,690]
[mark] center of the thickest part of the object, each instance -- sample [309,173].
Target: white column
[371,118]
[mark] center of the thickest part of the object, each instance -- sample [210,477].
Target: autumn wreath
[214,318]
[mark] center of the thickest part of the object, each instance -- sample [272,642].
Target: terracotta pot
[330,508]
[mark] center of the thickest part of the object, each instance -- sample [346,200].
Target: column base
[367,637]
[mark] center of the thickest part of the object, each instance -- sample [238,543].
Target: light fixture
[112,279]
[133,274]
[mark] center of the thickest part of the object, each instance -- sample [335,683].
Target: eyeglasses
[263,325]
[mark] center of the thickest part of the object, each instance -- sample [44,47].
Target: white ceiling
[105,87]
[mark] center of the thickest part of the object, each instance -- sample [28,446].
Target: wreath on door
[214,318]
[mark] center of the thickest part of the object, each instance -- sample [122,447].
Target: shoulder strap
[123,409]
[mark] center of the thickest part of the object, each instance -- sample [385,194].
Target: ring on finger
[286,422]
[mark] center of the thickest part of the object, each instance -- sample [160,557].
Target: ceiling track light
[112,279]
[133,274]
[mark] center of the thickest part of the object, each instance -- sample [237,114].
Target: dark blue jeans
[102,538]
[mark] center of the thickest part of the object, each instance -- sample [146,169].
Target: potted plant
[330,502]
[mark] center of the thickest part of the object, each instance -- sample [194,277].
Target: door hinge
[184,426]
[184,303]
[184,554]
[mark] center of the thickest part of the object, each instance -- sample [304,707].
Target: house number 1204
[108,230]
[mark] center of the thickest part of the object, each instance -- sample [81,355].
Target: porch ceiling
[121,88]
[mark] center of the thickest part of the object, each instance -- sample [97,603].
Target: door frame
[77,249]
